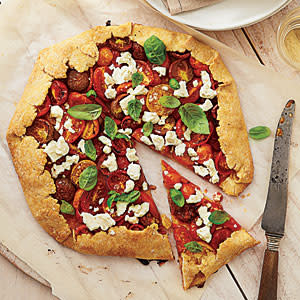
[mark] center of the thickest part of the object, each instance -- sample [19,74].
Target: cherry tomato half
[77,99]
[116,181]
[221,164]
[138,51]
[181,70]
[79,168]
[179,55]
[105,57]
[119,146]
[91,129]
[204,152]
[146,197]
[59,92]
[196,64]
[41,130]
[77,129]
[99,82]
[219,237]
[120,44]
[44,108]
[146,71]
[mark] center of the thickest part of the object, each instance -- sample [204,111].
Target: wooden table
[259,43]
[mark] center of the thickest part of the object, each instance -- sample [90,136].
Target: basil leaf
[67,208]
[193,247]
[91,93]
[85,111]
[112,198]
[110,127]
[177,197]
[88,178]
[134,109]
[174,84]
[219,217]
[155,50]
[147,128]
[122,136]
[136,78]
[112,193]
[90,150]
[194,118]
[259,132]
[125,197]
[169,101]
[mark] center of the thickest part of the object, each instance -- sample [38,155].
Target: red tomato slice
[91,79]
[219,237]
[182,236]
[198,139]
[120,44]
[44,108]
[147,72]
[204,152]
[77,99]
[196,64]
[116,181]
[221,165]
[187,190]
[194,94]
[170,176]
[146,197]
[180,128]
[123,88]
[122,162]
[91,129]
[77,125]
[181,70]
[102,157]
[99,82]
[138,51]
[119,146]
[59,92]
[41,130]
[183,160]
[179,55]
[232,224]
[156,79]
[105,57]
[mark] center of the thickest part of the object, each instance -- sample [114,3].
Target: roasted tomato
[179,55]
[146,71]
[232,225]
[77,198]
[187,213]
[124,87]
[101,159]
[138,51]
[153,97]
[128,122]
[99,191]
[180,128]
[120,44]
[105,57]
[122,162]
[136,227]
[146,197]
[204,152]
[65,189]
[170,177]
[91,129]
[119,146]
[75,150]
[163,129]
[167,62]
[99,82]
[187,190]
[182,236]
[77,99]
[76,130]
[79,168]
[219,237]
[115,107]
[156,79]
[181,70]
[116,181]
[196,64]
[198,139]
[221,164]
[41,130]
[44,108]
[194,94]
[99,146]
[59,92]
[183,159]
[77,81]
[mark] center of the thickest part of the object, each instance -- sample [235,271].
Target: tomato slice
[146,197]
[122,162]
[91,70]
[187,190]
[105,57]
[182,236]
[221,165]
[136,227]
[204,152]
[119,146]
[120,44]
[181,70]
[77,129]
[194,94]
[183,159]
[116,181]
[115,107]
[128,122]
[196,64]
[138,51]
[179,55]
[77,198]
[79,168]
[156,79]
[77,99]
[44,108]
[146,71]
[198,139]
[102,157]
[219,237]
[99,191]
[91,129]
[99,82]
[41,130]
[170,176]
[123,88]
[59,92]
[180,128]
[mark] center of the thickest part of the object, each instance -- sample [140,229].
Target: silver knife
[275,210]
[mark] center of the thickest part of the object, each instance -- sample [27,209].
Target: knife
[275,210]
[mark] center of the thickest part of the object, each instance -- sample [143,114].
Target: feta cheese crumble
[131,154]
[121,207]
[200,170]
[110,92]
[196,198]
[206,91]
[172,139]
[66,165]
[57,113]
[180,149]
[56,150]
[103,221]
[213,173]
[110,163]
[105,140]
[134,171]
[182,91]
[177,186]
[129,186]
[204,234]
[146,140]
[158,141]
[149,116]
[160,70]
[207,105]
[139,209]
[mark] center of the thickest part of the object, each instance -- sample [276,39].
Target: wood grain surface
[257,42]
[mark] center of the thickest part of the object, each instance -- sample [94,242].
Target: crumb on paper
[245,209]
[243,196]
[127,281]
[84,269]
[248,195]
[129,295]
[205,191]
[51,251]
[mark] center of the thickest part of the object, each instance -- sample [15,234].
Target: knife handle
[268,280]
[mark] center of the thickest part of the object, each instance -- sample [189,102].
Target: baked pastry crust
[81,52]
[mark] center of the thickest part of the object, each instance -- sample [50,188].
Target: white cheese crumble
[138,90]
[205,90]
[165,88]
[200,170]
[108,79]
[124,74]
[191,152]
[56,150]
[68,125]
[177,186]
[110,92]
[149,116]
[204,234]
[146,140]
[127,131]
[204,215]
[195,158]
[182,91]
[160,70]
[121,207]
[131,154]
[207,105]
[129,186]
[213,173]
[195,83]
[166,172]
[134,171]
[158,141]
[139,209]
[187,134]
[162,120]
[101,201]
[103,221]
[106,149]
[110,163]
[196,198]
[172,139]
[66,165]
[199,222]
[96,209]
[81,145]
[124,103]
[57,113]
[180,149]
[145,186]
[131,220]
[105,140]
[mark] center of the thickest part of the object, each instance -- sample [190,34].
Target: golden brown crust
[197,267]
[80,53]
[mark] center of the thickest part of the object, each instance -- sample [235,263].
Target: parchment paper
[29,26]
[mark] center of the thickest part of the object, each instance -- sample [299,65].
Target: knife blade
[273,220]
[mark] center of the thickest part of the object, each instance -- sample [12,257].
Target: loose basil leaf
[194,118]
[147,128]
[110,127]
[67,208]
[122,136]
[259,132]
[112,198]
[88,178]
[177,197]
[134,109]
[155,50]
[193,247]
[136,78]
[90,150]
[219,217]
[85,111]
[169,101]
[91,93]
[174,84]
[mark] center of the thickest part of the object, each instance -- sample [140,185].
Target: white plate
[225,15]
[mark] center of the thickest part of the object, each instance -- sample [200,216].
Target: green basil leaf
[194,118]
[112,198]
[169,101]
[85,111]
[219,217]
[174,84]
[193,247]
[129,197]
[112,193]
[147,128]
[134,109]
[136,78]
[259,132]
[67,208]
[91,93]
[88,178]
[90,150]
[110,127]
[177,197]
[122,136]
[155,50]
